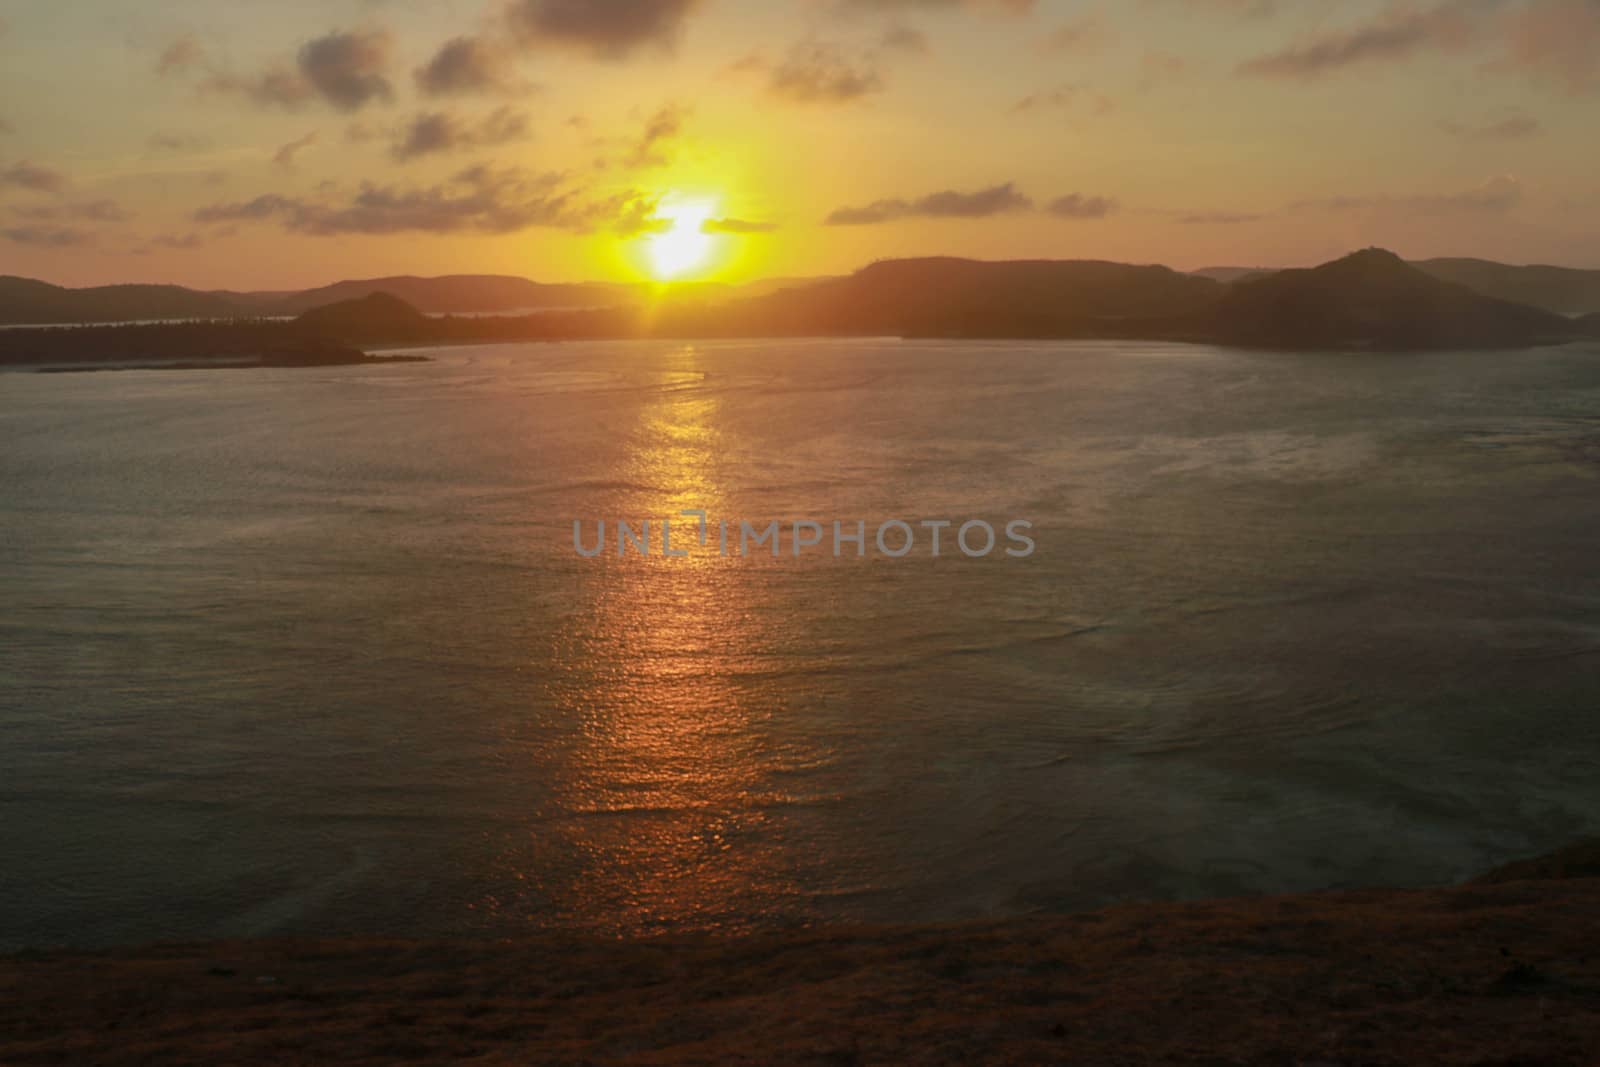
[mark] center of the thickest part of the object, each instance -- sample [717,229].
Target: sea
[316,651]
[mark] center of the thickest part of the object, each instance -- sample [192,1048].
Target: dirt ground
[1497,972]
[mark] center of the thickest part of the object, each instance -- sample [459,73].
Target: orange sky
[234,145]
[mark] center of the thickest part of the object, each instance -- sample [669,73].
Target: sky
[241,145]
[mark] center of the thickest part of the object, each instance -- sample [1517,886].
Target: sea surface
[311,651]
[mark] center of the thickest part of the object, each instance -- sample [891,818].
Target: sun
[682,244]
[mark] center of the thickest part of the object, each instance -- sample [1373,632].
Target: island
[203,345]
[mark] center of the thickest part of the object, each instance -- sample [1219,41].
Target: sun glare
[682,245]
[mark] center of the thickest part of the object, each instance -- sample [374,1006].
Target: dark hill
[375,318]
[964,297]
[1373,299]
[24,301]
[462,293]
[1229,275]
[1564,290]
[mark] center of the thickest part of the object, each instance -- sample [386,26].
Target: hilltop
[1373,299]
[372,319]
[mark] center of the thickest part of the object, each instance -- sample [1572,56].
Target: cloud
[344,69]
[431,133]
[1399,32]
[284,157]
[641,216]
[1554,41]
[1550,42]
[653,149]
[1243,9]
[1220,218]
[26,175]
[348,69]
[103,211]
[277,87]
[737,226]
[90,210]
[603,29]
[1063,98]
[1006,7]
[480,199]
[950,204]
[1513,128]
[361,132]
[178,142]
[819,73]
[1157,68]
[465,66]
[903,38]
[181,242]
[262,207]
[1495,196]
[1077,206]
[180,56]
[48,236]
[1082,36]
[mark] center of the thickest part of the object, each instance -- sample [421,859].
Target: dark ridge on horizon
[1373,299]
[1369,300]
[24,301]
[29,302]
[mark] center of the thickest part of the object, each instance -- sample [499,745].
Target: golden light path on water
[671,777]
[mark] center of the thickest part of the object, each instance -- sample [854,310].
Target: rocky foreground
[1502,971]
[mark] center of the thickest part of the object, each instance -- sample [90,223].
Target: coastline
[1499,970]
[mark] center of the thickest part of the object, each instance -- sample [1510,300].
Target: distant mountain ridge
[463,294]
[1568,291]
[25,301]
[1229,275]
[966,297]
[1371,299]
[1564,290]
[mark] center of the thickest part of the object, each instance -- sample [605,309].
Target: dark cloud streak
[602,29]
[949,204]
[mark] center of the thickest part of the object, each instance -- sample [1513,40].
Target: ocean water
[311,651]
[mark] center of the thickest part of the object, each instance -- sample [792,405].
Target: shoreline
[1502,969]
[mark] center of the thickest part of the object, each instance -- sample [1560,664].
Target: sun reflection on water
[673,780]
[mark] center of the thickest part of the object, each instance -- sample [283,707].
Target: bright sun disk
[682,244]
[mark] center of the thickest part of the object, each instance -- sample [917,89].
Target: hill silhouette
[1368,300]
[1564,290]
[178,345]
[1229,275]
[963,297]
[370,319]
[1373,299]
[26,301]
[461,293]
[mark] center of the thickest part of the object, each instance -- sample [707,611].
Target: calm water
[311,651]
